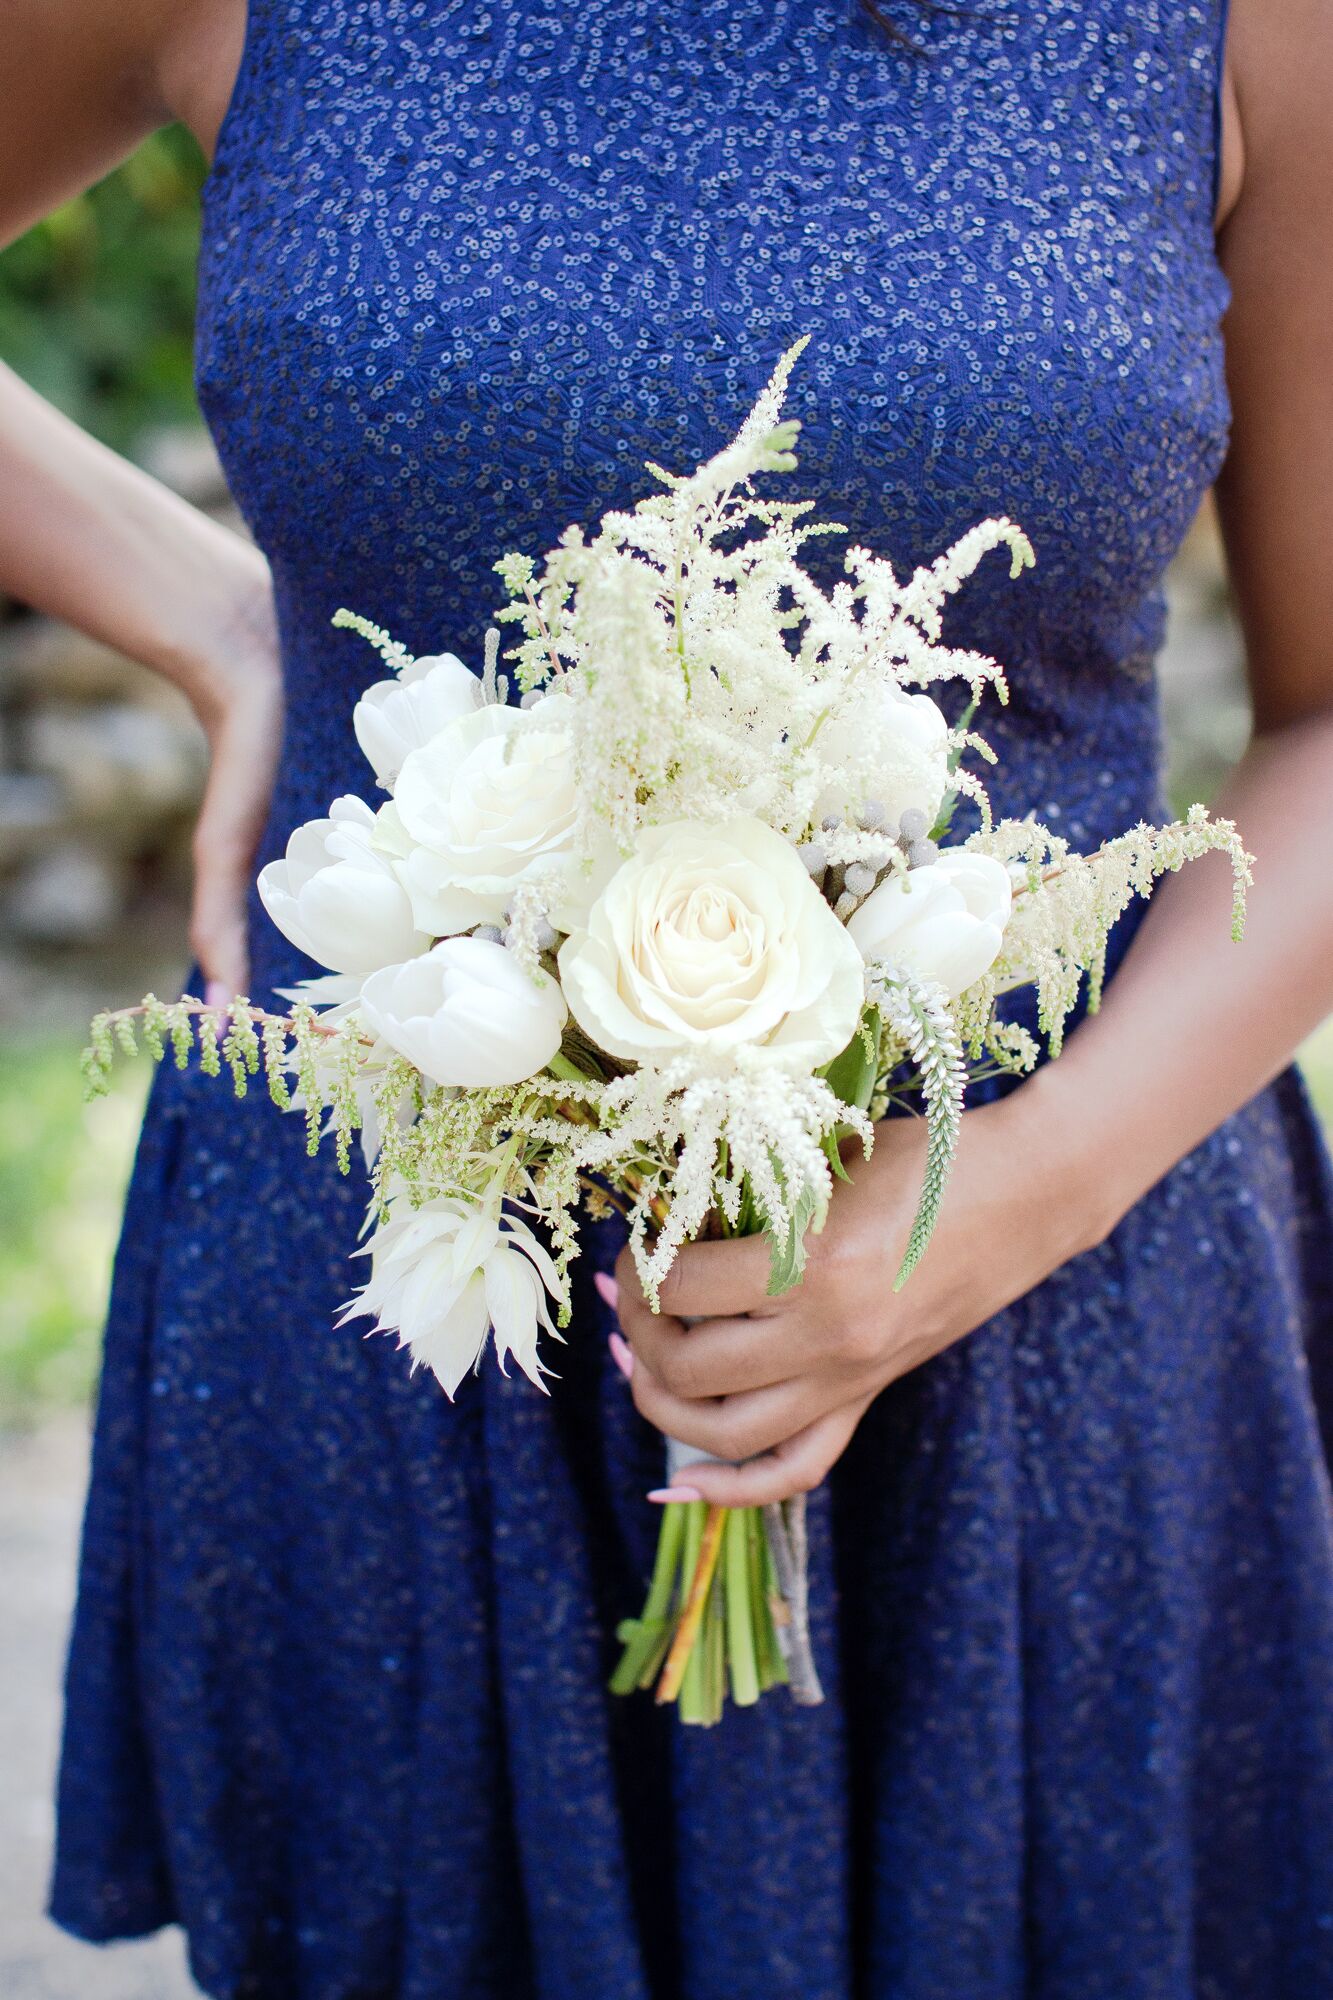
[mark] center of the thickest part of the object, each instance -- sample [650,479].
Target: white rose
[900,741]
[709,937]
[445,1274]
[487,801]
[395,717]
[944,923]
[337,898]
[467,1013]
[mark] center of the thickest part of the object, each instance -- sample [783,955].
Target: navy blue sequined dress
[336,1699]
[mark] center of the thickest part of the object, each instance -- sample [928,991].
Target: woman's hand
[782,1382]
[238,700]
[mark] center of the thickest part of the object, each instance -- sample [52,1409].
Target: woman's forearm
[89,538]
[1194,1025]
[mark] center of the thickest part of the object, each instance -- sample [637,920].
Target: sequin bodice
[466,265]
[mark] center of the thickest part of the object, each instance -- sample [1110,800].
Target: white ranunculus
[443,1274]
[901,740]
[467,1013]
[488,800]
[710,937]
[395,717]
[944,923]
[337,898]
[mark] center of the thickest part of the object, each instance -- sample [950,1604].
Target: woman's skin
[1191,1028]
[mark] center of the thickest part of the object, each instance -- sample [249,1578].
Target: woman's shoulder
[1277,102]
[83,81]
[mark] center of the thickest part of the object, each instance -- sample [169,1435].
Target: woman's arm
[88,538]
[83,534]
[1192,1026]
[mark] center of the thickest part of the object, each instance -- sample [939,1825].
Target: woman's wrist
[1082,1171]
[215,626]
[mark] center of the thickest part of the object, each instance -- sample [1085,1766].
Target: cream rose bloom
[708,939]
[944,923]
[487,801]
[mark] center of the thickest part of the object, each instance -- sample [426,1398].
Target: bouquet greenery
[663,918]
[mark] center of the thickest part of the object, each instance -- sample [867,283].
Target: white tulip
[900,740]
[337,898]
[444,1274]
[467,1013]
[489,800]
[710,937]
[944,923]
[395,717]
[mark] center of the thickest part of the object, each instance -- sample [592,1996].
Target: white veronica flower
[395,717]
[337,898]
[899,741]
[708,938]
[489,800]
[444,1274]
[945,923]
[467,1013]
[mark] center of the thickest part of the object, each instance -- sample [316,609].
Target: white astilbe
[721,1139]
[704,665]
[1066,904]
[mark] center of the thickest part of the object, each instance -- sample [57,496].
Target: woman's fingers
[719,1357]
[717,1280]
[735,1427]
[796,1465]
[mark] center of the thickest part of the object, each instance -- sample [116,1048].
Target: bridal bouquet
[662,918]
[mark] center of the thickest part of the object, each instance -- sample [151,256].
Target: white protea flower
[395,717]
[338,898]
[444,1275]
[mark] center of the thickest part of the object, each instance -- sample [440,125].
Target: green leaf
[852,1075]
[787,1252]
[949,805]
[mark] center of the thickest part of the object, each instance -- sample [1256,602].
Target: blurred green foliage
[63,1169]
[97,302]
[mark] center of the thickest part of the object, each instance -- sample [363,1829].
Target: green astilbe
[920,1029]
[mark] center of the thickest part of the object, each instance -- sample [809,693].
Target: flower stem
[740,1608]
[707,1549]
[646,1637]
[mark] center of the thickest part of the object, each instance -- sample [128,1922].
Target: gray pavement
[41,1496]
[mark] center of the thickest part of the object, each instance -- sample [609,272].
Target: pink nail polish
[607,1288]
[662,1494]
[216,994]
[622,1354]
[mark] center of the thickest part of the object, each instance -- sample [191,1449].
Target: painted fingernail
[621,1354]
[216,994]
[662,1495]
[607,1288]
